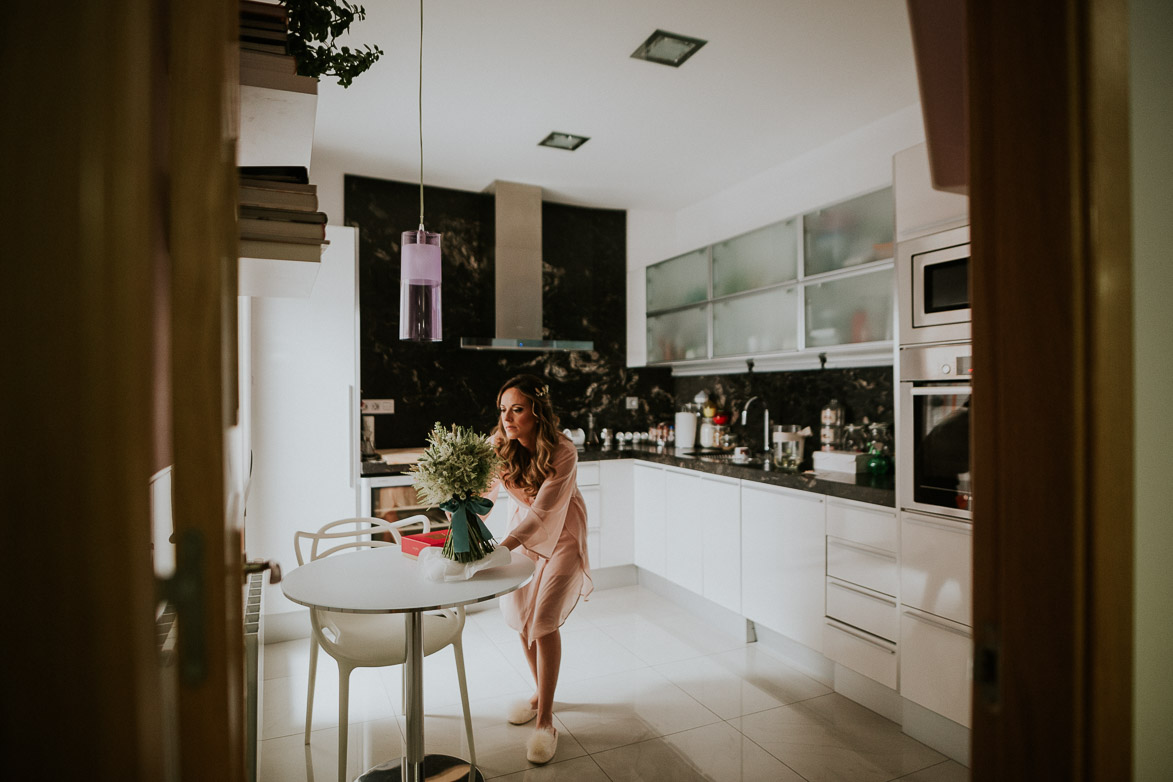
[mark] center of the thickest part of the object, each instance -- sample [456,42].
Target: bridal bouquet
[457,466]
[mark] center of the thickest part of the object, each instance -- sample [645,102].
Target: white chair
[371,640]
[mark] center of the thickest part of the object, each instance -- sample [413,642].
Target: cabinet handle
[918,616]
[942,390]
[861,547]
[887,601]
[958,527]
[860,635]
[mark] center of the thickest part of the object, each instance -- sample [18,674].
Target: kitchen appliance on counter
[831,421]
[370,408]
[932,288]
[934,438]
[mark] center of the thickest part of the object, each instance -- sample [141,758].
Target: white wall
[1152,188]
[853,164]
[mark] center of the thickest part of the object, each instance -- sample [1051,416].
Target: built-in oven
[932,274]
[934,445]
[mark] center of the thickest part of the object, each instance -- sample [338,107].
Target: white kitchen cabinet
[720,504]
[591,496]
[684,529]
[649,518]
[616,530]
[302,402]
[921,209]
[872,612]
[936,664]
[862,652]
[936,566]
[863,577]
[868,567]
[783,561]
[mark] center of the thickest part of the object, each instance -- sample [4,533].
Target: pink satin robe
[552,529]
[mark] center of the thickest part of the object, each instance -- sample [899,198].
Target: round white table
[384,581]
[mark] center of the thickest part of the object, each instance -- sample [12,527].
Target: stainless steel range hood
[519,275]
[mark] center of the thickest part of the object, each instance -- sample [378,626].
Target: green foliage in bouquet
[457,466]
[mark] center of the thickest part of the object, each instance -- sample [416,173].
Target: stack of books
[263,27]
[279,217]
[264,50]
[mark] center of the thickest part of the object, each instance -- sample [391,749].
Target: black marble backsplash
[584,298]
[798,397]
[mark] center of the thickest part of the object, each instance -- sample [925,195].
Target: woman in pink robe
[549,527]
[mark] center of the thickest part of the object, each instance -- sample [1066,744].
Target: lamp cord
[421,114]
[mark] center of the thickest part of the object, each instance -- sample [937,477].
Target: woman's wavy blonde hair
[520,468]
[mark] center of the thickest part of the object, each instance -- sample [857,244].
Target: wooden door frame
[1052,400]
[115,183]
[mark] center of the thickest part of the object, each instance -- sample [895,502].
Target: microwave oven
[933,298]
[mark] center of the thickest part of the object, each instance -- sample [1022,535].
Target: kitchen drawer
[859,524]
[862,565]
[936,566]
[592,499]
[936,664]
[862,608]
[588,473]
[874,657]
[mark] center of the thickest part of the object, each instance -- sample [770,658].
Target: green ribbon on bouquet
[468,539]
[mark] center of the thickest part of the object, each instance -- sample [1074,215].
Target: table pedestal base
[435,768]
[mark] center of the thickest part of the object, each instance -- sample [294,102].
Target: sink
[727,458]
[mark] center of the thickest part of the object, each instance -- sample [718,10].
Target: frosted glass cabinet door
[756,323]
[678,281]
[679,335]
[849,310]
[757,259]
[849,233]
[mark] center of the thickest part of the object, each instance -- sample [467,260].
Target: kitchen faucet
[765,419]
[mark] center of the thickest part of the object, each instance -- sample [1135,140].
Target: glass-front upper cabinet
[678,281]
[851,309]
[764,322]
[757,259]
[679,335]
[849,233]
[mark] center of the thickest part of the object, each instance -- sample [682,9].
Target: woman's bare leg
[531,656]
[549,660]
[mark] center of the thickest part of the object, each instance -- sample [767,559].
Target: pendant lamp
[419,278]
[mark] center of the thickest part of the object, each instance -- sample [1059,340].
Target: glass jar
[855,438]
[788,447]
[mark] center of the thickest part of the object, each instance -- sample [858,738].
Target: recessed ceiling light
[668,48]
[563,141]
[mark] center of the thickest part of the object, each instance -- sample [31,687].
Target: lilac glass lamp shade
[419,287]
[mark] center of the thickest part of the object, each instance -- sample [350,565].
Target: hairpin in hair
[542,392]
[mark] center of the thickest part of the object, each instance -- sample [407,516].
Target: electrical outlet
[633,403]
[373,406]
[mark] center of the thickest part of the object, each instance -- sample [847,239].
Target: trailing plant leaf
[314,27]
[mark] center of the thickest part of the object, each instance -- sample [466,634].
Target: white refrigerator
[300,416]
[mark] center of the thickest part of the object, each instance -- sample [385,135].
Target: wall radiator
[254,670]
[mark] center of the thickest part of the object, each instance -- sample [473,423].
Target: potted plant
[314,28]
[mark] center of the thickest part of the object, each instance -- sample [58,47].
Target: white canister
[685,430]
[708,433]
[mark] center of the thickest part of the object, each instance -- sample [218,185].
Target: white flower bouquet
[455,469]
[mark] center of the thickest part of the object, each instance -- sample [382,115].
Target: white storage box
[841,461]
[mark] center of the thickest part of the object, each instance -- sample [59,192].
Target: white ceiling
[776,79]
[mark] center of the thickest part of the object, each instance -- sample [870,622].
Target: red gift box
[412,545]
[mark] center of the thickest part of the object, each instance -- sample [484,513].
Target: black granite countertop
[864,487]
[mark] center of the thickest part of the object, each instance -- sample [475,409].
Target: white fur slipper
[541,746]
[520,712]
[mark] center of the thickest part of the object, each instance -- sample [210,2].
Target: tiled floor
[647,692]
